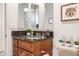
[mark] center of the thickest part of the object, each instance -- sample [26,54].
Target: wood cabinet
[29,48]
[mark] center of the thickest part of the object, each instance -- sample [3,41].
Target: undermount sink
[33,37]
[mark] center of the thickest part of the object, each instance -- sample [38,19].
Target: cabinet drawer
[15,51]
[24,53]
[25,45]
[14,42]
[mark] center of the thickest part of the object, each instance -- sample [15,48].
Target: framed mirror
[28,15]
[35,16]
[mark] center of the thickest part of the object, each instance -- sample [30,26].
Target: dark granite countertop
[26,39]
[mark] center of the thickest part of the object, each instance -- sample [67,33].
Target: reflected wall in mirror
[28,15]
[34,15]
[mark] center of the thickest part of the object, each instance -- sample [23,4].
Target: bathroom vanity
[32,46]
[36,17]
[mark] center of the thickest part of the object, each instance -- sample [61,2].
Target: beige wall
[11,24]
[2,28]
[66,29]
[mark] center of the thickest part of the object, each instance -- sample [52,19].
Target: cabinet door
[46,46]
[24,53]
[36,48]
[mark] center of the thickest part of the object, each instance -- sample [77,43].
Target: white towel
[46,55]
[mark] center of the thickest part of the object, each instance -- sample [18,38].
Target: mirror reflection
[35,16]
